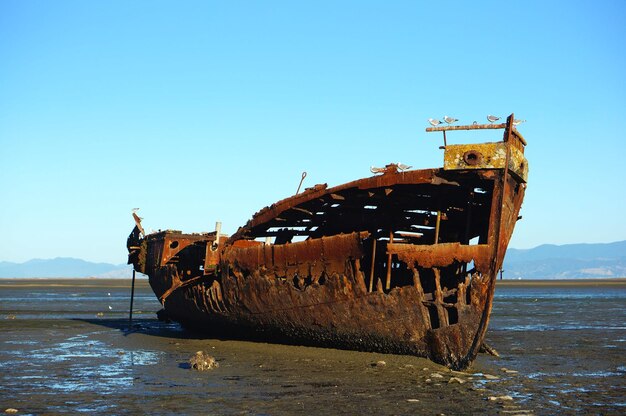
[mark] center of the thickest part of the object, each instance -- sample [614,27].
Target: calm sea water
[65,347]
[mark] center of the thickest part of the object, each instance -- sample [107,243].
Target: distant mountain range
[571,261]
[63,267]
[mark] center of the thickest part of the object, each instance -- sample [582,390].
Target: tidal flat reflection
[66,348]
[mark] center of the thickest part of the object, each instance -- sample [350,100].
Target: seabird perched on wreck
[450,120]
[492,119]
[434,122]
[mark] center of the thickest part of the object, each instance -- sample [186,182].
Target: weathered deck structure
[400,262]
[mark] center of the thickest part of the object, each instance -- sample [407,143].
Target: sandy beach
[67,347]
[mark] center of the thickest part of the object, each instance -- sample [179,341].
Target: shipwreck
[404,261]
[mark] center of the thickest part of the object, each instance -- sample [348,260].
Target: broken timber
[401,262]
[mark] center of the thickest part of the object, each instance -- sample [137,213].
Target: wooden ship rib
[400,262]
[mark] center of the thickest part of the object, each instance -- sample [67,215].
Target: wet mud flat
[65,347]
[567,339]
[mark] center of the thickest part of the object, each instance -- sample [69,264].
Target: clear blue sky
[204,111]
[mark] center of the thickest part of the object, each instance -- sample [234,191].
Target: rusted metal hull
[403,262]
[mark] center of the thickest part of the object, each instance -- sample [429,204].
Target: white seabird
[434,122]
[517,122]
[450,120]
[492,119]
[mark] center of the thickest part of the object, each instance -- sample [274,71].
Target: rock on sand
[202,361]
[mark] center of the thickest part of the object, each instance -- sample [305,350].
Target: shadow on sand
[173,330]
[152,327]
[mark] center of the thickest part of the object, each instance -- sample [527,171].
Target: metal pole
[301,180]
[373,264]
[132,296]
[437,227]
[218,231]
[388,282]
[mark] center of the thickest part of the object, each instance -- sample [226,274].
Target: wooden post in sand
[132,296]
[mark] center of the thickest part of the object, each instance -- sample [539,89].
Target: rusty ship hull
[400,262]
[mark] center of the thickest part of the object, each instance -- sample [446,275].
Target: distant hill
[570,261]
[63,267]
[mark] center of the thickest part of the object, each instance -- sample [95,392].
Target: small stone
[491,377]
[436,375]
[379,364]
[425,369]
[412,400]
[456,380]
[11,410]
[428,380]
[203,361]
[499,398]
